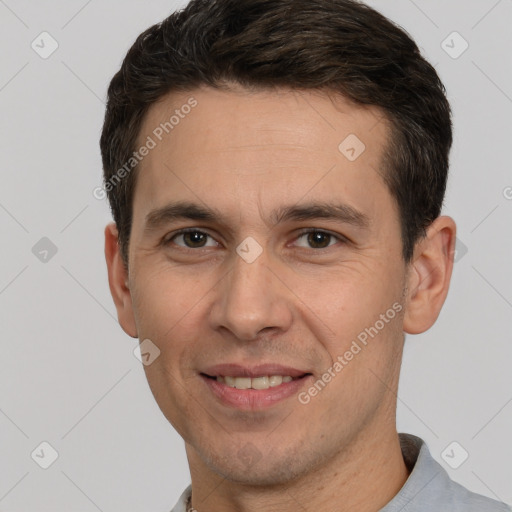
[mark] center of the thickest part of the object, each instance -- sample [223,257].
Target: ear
[118,281]
[429,276]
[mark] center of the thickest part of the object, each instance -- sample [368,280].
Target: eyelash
[167,241]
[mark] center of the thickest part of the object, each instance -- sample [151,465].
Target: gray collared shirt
[428,488]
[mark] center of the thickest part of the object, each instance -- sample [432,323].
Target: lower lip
[252,399]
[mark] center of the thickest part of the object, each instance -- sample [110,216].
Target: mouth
[255,388]
[261,382]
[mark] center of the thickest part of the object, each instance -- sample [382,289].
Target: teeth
[260,383]
[275,380]
[263,382]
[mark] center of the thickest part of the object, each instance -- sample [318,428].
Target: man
[276,171]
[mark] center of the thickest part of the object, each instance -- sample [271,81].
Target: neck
[364,478]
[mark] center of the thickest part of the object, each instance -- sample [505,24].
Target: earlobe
[429,276]
[118,281]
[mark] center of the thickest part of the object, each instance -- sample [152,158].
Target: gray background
[69,376]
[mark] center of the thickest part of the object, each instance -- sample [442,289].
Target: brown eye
[194,239]
[191,239]
[316,239]
[319,240]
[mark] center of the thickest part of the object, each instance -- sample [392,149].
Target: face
[290,258]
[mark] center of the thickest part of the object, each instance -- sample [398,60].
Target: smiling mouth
[258,383]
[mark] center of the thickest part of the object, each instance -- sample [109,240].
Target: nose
[251,298]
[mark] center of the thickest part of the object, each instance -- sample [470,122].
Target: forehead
[261,147]
[288,116]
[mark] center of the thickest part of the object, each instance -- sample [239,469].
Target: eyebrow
[310,211]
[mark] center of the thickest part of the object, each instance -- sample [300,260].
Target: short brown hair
[343,46]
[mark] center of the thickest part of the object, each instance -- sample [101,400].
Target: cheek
[365,360]
[164,298]
[358,318]
[345,301]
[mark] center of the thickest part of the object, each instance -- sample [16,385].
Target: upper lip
[237,370]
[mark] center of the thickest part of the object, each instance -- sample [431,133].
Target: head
[304,145]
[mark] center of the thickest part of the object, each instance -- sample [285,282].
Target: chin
[266,475]
[249,467]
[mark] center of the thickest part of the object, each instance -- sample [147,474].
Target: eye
[191,239]
[317,239]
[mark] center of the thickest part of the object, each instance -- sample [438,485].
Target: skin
[298,304]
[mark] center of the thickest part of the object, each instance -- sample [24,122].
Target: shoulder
[457,498]
[429,487]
